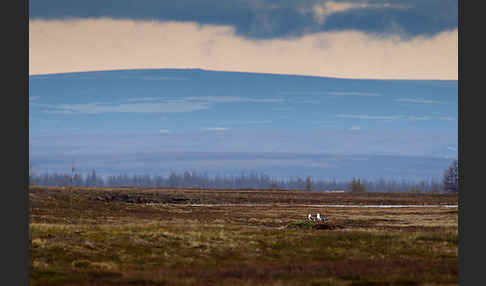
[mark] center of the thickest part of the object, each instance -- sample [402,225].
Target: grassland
[94,236]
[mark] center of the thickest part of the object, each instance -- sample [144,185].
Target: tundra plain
[133,236]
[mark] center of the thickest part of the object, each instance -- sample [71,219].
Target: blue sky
[361,78]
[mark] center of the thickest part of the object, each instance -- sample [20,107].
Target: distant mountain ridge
[188,111]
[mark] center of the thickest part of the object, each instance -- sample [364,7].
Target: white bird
[310,217]
[319,218]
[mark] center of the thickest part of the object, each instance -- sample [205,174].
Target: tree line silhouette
[244,181]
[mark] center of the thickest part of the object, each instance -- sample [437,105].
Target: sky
[347,39]
[277,86]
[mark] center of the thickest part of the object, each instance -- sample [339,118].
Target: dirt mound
[135,198]
[326,225]
[313,225]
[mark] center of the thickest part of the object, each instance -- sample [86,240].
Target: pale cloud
[323,10]
[232,99]
[62,46]
[152,107]
[162,78]
[338,93]
[137,99]
[422,101]
[215,128]
[149,105]
[62,111]
[451,148]
[419,117]
[302,92]
[209,99]
[87,77]
[251,122]
[370,117]
[447,118]
[334,93]
[259,122]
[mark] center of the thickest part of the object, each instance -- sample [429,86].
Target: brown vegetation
[160,237]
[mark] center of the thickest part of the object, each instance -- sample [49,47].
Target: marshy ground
[130,236]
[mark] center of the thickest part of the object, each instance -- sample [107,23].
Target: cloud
[78,45]
[338,93]
[422,101]
[164,131]
[447,118]
[62,112]
[334,93]
[251,122]
[270,19]
[451,148]
[232,99]
[419,117]
[162,78]
[304,92]
[138,99]
[208,99]
[370,117]
[215,128]
[220,139]
[323,10]
[152,107]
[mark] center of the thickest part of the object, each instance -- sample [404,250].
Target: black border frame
[15,118]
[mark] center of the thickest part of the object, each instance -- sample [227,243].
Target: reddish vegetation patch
[374,269]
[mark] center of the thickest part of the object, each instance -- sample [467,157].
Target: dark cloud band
[270,18]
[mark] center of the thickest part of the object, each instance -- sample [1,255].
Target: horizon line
[235,71]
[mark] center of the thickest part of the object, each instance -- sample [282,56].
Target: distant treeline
[243,181]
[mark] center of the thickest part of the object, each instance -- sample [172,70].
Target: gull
[310,217]
[319,218]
